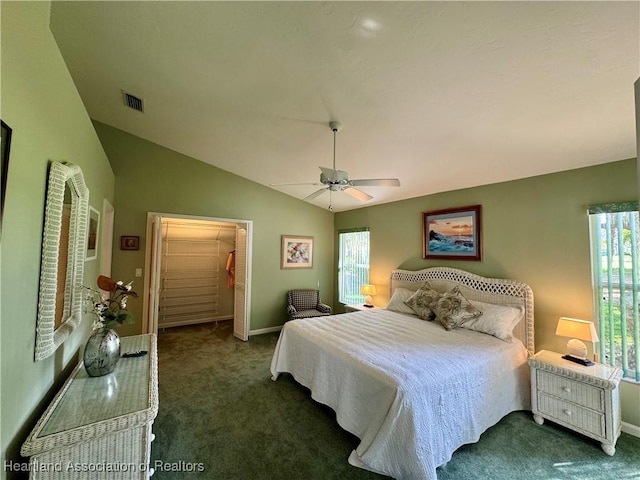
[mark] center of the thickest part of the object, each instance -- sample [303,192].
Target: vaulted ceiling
[441,95]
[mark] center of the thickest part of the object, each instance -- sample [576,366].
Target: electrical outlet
[138,272]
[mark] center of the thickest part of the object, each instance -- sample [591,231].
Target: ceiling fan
[338,180]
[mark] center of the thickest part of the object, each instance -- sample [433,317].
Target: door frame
[106,238]
[149,269]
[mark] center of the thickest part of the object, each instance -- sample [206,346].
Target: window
[615,246]
[353,265]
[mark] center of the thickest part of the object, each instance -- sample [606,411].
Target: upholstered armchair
[305,304]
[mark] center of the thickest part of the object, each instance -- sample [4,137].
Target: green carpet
[221,413]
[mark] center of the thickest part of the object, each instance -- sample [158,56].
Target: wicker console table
[100,427]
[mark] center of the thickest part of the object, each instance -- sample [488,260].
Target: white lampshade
[368,290]
[577,330]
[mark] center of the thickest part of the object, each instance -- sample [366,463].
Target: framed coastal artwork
[297,252]
[453,234]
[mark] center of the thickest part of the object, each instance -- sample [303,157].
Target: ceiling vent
[134,102]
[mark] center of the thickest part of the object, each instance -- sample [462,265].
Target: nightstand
[584,399]
[358,308]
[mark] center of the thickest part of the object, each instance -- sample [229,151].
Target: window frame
[602,282]
[354,298]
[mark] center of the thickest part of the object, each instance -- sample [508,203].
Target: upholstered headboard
[489,290]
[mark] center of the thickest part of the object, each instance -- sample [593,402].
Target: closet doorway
[199,272]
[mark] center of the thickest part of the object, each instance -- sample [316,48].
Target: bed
[410,390]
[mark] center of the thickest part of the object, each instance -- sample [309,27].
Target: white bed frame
[489,290]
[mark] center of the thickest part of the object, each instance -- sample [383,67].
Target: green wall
[40,103]
[534,230]
[151,178]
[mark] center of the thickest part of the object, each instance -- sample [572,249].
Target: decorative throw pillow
[453,309]
[496,320]
[422,301]
[397,301]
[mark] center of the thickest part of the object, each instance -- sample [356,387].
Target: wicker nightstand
[584,399]
[358,308]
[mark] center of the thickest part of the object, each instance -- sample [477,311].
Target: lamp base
[581,361]
[368,301]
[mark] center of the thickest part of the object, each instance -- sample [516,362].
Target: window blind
[353,265]
[615,257]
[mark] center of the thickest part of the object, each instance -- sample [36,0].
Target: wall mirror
[64,242]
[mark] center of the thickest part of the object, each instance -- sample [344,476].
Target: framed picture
[297,252]
[92,234]
[129,243]
[5,145]
[453,234]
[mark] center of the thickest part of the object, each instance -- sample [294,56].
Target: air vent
[134,102]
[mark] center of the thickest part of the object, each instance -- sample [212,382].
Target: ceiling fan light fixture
[338,180]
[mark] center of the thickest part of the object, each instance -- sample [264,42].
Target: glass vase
[102,352]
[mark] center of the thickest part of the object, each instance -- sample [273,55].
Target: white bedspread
[411,391]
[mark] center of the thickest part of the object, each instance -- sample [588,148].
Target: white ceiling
[442,95]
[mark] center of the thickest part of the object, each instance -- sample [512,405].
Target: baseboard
[260,331]
[631,429]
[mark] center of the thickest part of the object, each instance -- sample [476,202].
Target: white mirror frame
[49,338]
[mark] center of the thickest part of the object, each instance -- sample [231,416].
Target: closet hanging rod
[199,225]
[194,270]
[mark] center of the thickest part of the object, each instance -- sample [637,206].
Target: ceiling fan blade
[315,194]
[334,175]
[376,182]
[359,194]
[289,184]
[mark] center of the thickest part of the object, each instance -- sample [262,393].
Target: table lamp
[577,330]
[368,290]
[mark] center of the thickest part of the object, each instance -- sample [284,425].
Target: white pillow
[396,303]
[496,320]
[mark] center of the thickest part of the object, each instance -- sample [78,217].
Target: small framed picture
[453,234]
[297,252]
[129,243]
[92,234]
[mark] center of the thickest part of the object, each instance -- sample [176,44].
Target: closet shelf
[192,240]
[175,284]
[188,309]
[193,270]
[179,307]
[210,255]
[190,292]
[191,274]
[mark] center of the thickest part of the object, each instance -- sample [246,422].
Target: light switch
[138,272]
